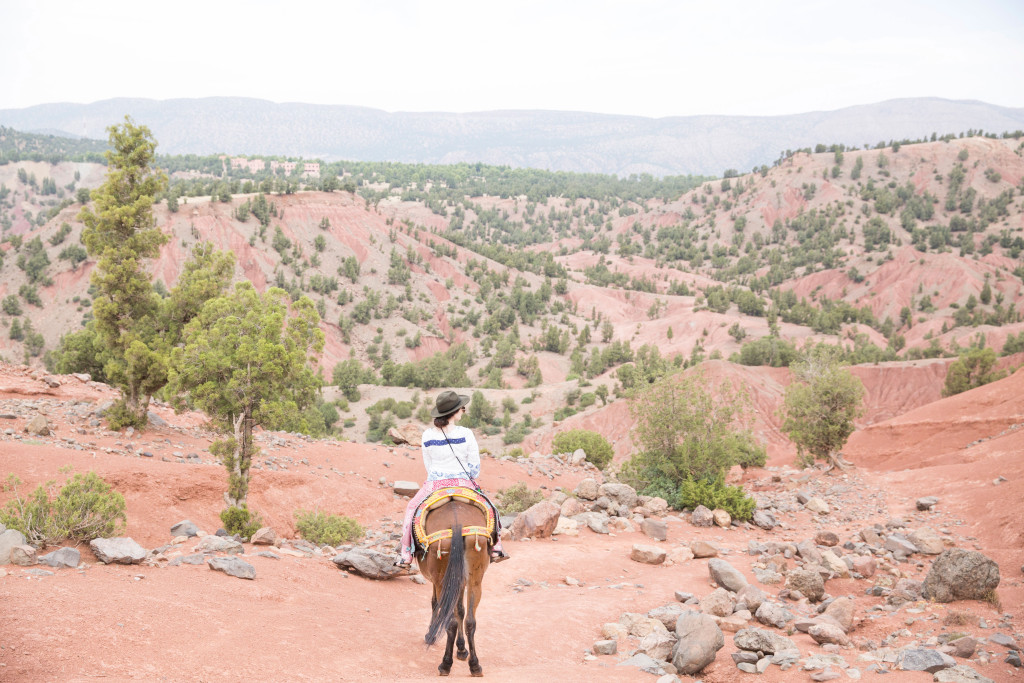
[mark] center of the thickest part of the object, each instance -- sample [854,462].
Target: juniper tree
[120,233]
[820,406]
[246,360]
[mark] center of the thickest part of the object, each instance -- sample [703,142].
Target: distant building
[251,165]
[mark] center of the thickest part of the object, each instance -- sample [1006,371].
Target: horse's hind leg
[446,664]
[474,591]
[460,615]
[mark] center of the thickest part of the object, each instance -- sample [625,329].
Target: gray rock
[667,614]
[702,517]
[764,520]
[38,572]
[38,426]
[927,503]
[185,528]
[196,558]
[587,489]
[807,582]
[828,633]
[718,602]
[64,557]
[621,494]
[1004,640]
[647,554]
[808,551]
[368,563]
[8,540]
[155,420]
[841,609]
[657,644]
[267,553]
[595,521]
[23,555]
[772,614]
[655,528]
[232,566]
[960,575]
[826,674]
[744,657]
[645,663]
[961,673]
[752,597]
[700,639]
[922,659]
[762,640]
[725,575]
[817,505]
[406,488]
[606,647]
[219,544]
[119,550]
[900,545]
[539,521]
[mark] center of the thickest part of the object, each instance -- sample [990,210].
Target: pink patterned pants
[410,510]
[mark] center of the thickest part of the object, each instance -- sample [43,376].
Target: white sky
[644,57]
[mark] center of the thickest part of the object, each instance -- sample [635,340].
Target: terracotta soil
[303,619]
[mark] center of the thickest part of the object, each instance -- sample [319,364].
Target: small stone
[828,633]
[964,648]
[185,528]
[922,659]
[655,528]
[721,518]
[703,549]
[961,673]
[828,538]
[23,555]
[38,426]
[926,503]
[702,517]
[718,602]
[232,566]
[764,520]
[406,488]
[63,557]
[119,550]
[264,536]
[725,575]
[818,506]
[606,647]
[647,554]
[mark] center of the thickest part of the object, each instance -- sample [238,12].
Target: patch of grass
[518,497]
[84,508]
[992,598]
[325,529]
[955,617]
[239,521]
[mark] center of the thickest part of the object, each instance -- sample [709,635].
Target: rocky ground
[831,580]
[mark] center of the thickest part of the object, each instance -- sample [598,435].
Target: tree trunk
[238,466]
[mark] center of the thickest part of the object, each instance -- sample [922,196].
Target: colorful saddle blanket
[441,497]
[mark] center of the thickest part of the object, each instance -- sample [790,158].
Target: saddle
[442,497]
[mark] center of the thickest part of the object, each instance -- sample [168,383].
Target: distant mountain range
[558,141]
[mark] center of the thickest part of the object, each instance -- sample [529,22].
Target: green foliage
[84,508]
[11,306]
[246,360]
[715,494]
[33,260]
[820,405]
[120,232]
[239,521]
[687,431]
[517,498]
[973,369]
[349,374]
[324,529]
[599,451]
[443,369]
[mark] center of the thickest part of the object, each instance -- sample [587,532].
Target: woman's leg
[410,510]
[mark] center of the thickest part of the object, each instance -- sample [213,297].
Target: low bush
[599,451]
[83,509]
[516,498]
[239,521]
[715,494]
[325,529]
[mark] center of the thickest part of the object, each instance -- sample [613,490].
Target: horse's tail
[452,584]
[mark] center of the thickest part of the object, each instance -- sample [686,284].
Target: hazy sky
[643,57]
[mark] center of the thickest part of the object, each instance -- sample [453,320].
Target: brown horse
[457,572]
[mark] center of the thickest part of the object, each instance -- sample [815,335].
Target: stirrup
[499,556]
[402,565]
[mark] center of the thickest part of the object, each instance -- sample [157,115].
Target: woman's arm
[423,450]
[473,454]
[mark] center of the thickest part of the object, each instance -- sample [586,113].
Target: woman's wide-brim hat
[448,402]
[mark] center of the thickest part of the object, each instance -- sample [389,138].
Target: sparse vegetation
[324,529]
[599,451]
[84,508]
[517,498]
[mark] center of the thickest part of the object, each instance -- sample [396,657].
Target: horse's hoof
[443,673]
[464,655]
[479,673]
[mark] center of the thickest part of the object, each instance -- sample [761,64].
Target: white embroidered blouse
[453,457]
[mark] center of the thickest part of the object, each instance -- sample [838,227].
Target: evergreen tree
[120,233]
[246,361]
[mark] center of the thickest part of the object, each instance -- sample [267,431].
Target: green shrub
[598,450]
[239,521]
[518,497]
[327,529]
[515,453]
[715,494]
[85,508]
